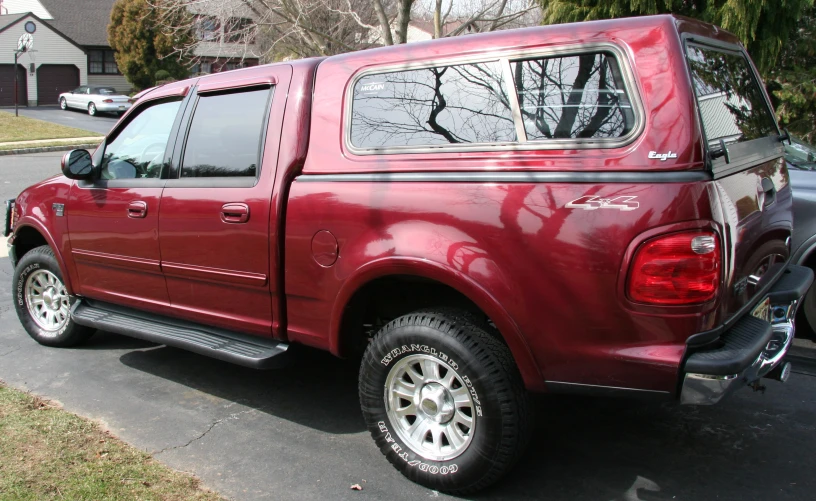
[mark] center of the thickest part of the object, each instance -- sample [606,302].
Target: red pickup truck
[596,208]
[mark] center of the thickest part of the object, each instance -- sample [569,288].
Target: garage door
[53,80]
[7,85]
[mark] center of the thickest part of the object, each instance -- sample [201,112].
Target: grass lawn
[28,129]
[47,453]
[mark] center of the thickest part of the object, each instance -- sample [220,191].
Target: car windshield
[105,90]
[800,154]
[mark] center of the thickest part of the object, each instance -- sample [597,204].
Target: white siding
[23,6]
[118,82]
[51,49]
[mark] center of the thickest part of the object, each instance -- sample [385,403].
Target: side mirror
[77,164]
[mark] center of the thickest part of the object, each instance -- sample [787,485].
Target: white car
[95,99]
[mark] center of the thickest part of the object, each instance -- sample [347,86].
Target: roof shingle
[85,22]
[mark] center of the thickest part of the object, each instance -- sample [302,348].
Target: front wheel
[444,401]
[92,109]
[42,302]
[63,104]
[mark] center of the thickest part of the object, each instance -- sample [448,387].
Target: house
[71,48]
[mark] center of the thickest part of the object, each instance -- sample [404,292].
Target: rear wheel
[444,401]
[92,109]
[42,302]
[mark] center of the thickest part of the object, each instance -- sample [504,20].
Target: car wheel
[63,104]
[444,401]
[92,109]
[42,303]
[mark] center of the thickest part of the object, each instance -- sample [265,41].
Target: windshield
[800,154]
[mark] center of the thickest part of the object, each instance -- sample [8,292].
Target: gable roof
[19,17]
[9,19]
[85,22]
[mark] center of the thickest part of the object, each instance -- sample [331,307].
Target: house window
[207,28]
[239,29]
[202,67]
[102,62]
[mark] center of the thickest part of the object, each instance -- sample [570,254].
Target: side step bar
[241,349]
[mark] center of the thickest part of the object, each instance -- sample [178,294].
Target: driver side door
[113,220]
[73,98]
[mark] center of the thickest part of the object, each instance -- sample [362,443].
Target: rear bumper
[750,349]
[113,106]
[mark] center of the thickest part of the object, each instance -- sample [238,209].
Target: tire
[63,104]
[48,322]
[455,352]
[92,109]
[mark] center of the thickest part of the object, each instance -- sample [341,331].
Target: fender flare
[27,221]
[462,283]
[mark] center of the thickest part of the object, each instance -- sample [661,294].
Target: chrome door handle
[137,210]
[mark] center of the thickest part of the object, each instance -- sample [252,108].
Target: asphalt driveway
[297,433]
[101,123]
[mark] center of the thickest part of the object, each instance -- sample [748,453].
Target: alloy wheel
[430,407]
[47,301]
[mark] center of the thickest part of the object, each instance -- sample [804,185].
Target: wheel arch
[433,273]
[30,234]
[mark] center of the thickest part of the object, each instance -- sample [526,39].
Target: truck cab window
[225,135]
[138,150]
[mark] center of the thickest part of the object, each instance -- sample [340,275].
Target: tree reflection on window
[572,97]
[731,103]
[444,105]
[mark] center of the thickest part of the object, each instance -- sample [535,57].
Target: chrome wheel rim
[767,262]
[430,407]
[47,301]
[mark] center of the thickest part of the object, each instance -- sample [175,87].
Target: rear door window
[443,105]
[731,103]
[225,135]
[573,97]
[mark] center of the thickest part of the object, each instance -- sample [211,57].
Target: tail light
[107,100]
[676,269]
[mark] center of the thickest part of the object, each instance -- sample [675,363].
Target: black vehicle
[801,159]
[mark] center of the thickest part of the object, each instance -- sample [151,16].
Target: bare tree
[280,29]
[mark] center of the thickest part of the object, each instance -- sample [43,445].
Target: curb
[45,149]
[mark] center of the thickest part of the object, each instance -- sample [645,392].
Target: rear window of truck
[572,97]
[540,100]
[464,103]
[731,103]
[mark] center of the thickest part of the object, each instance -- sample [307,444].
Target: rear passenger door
[214,229]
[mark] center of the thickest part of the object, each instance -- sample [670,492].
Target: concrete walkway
[39,142]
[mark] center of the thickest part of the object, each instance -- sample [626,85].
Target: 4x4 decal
[623,203]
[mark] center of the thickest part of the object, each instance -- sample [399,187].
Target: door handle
[137,209]
[769,190]
[235,213]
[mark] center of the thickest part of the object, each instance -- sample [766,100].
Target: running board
[241,349]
